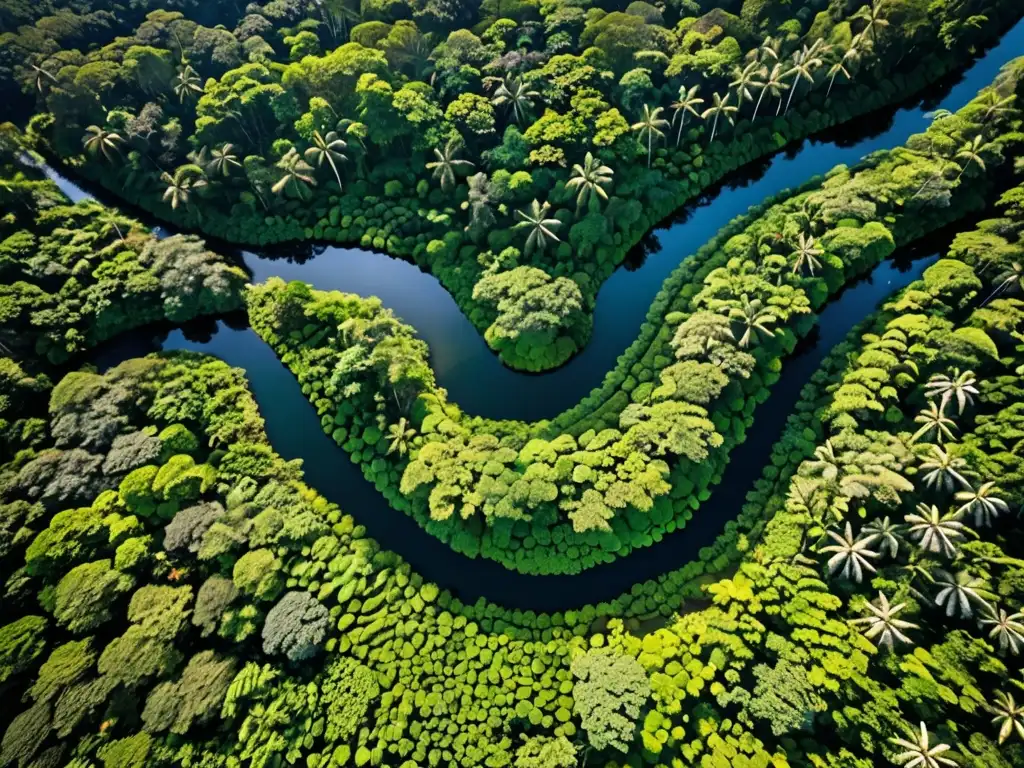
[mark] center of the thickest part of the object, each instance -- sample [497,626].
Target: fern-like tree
[1008,716]
[851,555]
[934,423]
[99,141]
[328,149]
[919,752]
[839,68]
[957,384]
[446,162]
[186,83]
[971,155]
[222,160]
[882,626]
[996,106]
[650,127]
[1009,280]
[539,228]
[589,180]
[684,106]
[805,62]
[982,503]
[755,319]
[935,532]
[719,108]
[746,79]
[806,254]
[181,185]
[296,175]
[1006,630]
[874,20]
[774,84]
[944,471]
[516,96]
[885,535]
[960,594]
[400,437]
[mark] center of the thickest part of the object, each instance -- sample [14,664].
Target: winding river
[478,382]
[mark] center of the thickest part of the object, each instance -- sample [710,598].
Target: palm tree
[804,64]
[42,78]
[971,153]
[887,534]
[540,228]
[589,179]
[108,220]
[400,436]
[806,254]
[1008,629]
[919,753]
[774,84]
[996,105]
[935,532]
[838,68]
[872,14]
[327,149]
[222,160]
[1012,278]
[718,108]
[687,103]
[932,419]
[101,141]
[650,125]
[944,471]
[755,318]
[959,594]
[982,503]
[516,96]
[882,625]
[446,163]
[959,385]
[186,83]
[1008,716]
[745,79]
[851,555]
[296,175]
[769,50]
[181,185]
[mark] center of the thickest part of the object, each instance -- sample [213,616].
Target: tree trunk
[758,105]
[792,91]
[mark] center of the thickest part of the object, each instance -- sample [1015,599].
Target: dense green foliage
[75,275]
[478,140]
[173,594]
[635,459]
[771,672]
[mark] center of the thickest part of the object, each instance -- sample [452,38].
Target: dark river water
[477,381]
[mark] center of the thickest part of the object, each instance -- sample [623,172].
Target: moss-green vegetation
[75,275]
[173,594]
[134,577]
[636,458]
[479,141]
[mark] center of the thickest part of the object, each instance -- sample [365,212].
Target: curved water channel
[478,382]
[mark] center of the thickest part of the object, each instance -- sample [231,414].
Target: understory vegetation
[635,459]
[75,275]
[176,595]
[516,150]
